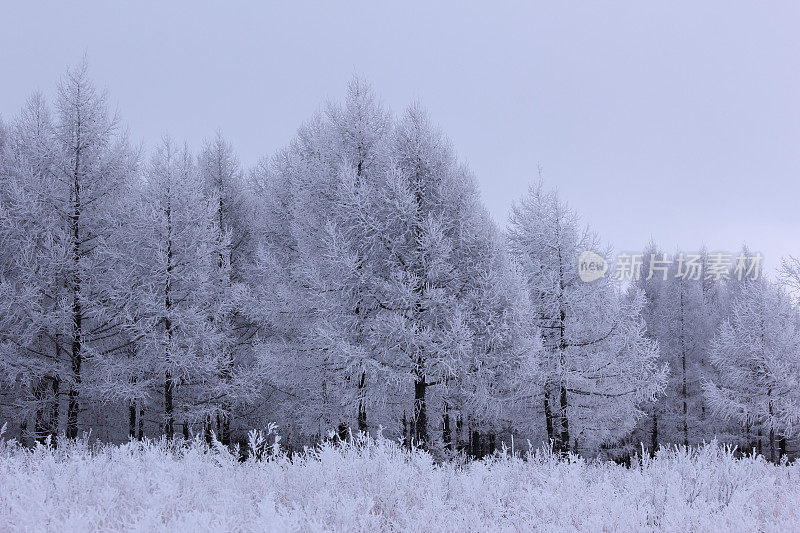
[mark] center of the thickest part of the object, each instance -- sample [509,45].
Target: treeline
[351,282]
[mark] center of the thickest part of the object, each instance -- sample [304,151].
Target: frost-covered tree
[441,293]
[222,179]
[682,313]
[757,352]
[301,193]
[93,168]
[71,173]
[384,251]
[600,367]
[166,290]
[414,251]
[31,271]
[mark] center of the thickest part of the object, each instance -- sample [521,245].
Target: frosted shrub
[377,485]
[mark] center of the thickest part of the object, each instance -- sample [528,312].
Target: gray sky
[674,120]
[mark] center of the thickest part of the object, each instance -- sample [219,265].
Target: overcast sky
[676,121]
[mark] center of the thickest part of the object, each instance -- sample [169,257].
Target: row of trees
[352,281]
[733,348]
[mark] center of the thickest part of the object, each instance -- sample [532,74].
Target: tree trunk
[564,421]
[225,430]
[169,385]
[55,412]
[420,412]
[459,433]
[207,429]
[446,434]
[77,312]
[342,433]
[772,445]
[476,444]
[41,424]
[169,422]
[362,408]
[548,417]
[405,431]
[758,443]
[771,429]
[684,391]
[562,348]
[654,436]
[73,406]
[132,419]
[75,360]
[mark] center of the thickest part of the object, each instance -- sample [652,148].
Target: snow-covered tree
[166,289]
[31,271]
[757,352]
[300,195]
[441,294]
[682,313]
[385,252]
[222,179]
[93,169]
[600,366]
[71,174]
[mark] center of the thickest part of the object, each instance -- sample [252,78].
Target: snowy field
[382,487]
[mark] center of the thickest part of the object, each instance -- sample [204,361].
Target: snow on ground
[380,486]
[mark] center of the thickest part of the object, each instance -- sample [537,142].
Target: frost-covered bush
[380,486]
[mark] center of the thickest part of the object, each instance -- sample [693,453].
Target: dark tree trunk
[169,385]
[225,430]
[684,391]
[772,445]
[420,412]
[73,407]
[41,424]
[654,436]
[771,429]
[54,412]
[758,443]
[564,421]
[362,408]
[169,421]
[207,429]
[548,417]
[781,447]
[446,434]
[77,312]
[132,419]
[562,349]
[186,435]
[475,442]
[405,431]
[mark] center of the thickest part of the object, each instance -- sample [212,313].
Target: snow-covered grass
[379,486]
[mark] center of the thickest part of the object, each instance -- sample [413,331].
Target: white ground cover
[379,486]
